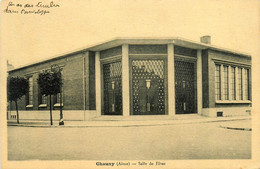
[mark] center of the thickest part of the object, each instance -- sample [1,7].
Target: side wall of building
[211,106]
[73,90]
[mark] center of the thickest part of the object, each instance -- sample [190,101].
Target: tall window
[233,83]
[246,84]
[59,96]
[225,82]
[239,79]
[217,83]
[30,97]
[44,99]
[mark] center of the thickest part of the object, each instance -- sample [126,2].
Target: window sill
[58,105]
[43,105]
[29,106]
[232,101]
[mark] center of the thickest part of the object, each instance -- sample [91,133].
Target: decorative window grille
[148,86]
[112,79]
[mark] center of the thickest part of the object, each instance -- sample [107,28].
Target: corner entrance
[112,88]
[185,84]
[148,83]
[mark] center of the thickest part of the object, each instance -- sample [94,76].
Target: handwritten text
[38,8]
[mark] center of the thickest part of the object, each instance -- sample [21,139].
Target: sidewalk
[241,122]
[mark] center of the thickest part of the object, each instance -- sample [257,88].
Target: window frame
[226,82]
[233,87]
[240,83]
[218,84]
[56,98]
[246,83]
[29,96]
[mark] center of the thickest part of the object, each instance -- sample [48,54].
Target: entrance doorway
[112,88]
[148,86]
[185,100]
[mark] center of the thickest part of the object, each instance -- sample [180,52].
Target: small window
[220,114]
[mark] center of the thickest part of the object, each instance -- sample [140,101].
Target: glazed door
[112,88]
[184,87]
[148,86]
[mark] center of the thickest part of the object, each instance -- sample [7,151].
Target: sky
[79,23]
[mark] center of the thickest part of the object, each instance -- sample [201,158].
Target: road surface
[168,142]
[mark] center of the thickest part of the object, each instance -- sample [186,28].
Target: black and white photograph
[130,84]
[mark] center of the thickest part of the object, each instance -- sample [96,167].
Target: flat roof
[138,41]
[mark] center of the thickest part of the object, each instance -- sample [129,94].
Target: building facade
[132,77]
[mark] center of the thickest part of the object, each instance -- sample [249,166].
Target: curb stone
[236,128]
[136,125]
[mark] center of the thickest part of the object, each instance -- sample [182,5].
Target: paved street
[180,141]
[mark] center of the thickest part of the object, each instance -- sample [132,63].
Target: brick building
[128,77]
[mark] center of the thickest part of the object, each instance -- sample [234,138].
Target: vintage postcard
[130,84]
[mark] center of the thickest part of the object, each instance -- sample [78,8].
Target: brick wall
[92,82]
[185,51]
[72,82]
[147,49]
[111,52]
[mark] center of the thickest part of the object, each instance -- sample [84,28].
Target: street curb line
[134,125]
[237,128]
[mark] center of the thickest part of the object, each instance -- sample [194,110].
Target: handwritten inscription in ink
[38,8]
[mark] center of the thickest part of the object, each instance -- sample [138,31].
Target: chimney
[205,39]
